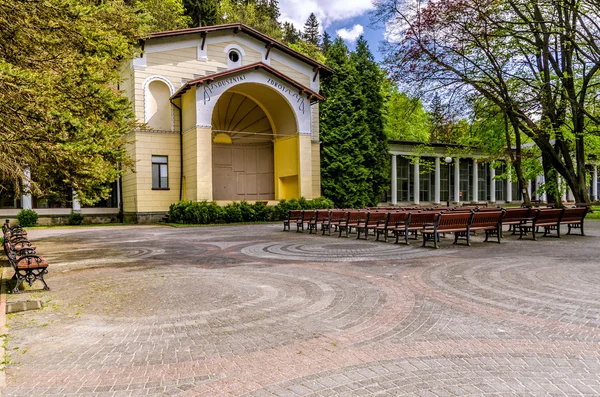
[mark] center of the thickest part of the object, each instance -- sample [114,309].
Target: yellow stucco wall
[146,145]
[316,169]
[129,182]
[286,167]
[188,107]
[305,166]
[197,164]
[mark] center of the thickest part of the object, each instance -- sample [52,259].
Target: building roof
[254,66]
[238,27]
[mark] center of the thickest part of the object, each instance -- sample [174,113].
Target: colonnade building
[436,176]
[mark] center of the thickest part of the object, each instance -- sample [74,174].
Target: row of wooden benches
[22,256]
[430,223]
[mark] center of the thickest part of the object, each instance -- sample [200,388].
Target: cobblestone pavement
[253,311]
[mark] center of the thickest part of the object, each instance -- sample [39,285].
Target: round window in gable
[234,56]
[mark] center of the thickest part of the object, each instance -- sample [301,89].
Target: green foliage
[311,30]
[310,50]
[162,15]
[27,218]
[405,118]
[354,160]
[251,13]
[75,218]
[202,12]
[281,210]
[290,34]
[209,212]
[61,115]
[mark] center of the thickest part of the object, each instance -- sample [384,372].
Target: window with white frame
[234,59]
[160,172]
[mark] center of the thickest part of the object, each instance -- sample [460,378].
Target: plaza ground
[254,311]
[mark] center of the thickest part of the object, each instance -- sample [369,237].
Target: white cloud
[350,35]
[327,12]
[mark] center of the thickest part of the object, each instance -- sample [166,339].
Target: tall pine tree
[325,42]
[344,177]
[203,12]
[311,30]
[370,85]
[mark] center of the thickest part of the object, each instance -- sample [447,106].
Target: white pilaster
[436,192]
[457,180]
[508,185]
[76,204]
[394,181]
[492,184]
[541,182]
[475,181]
[595,183]
[26,200]
[416,183]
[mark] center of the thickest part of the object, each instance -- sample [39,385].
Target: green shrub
[75,218]
[247,211]
[233,213]
[190,212]
[262,212]
[280,211]
[27,218]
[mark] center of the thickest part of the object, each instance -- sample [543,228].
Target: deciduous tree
[61,113]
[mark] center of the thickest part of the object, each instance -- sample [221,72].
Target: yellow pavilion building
[229,114]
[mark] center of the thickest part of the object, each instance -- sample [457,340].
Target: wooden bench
[448,222]
[549,219]
[336,217]
[294,216]
[394,219]
[355,220]
[513,217]
[488,221]
[376,218]
[317,219]
[21,254]
[417,221]
[574,218]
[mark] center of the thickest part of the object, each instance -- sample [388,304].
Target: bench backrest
[322,215]
[358,216]
[486,218]
[377,217]
[516,214]
[452,220]
[549,215]
[418,219]
[574,214]
[295,214]
[398,217]
[309,214]
[338,215]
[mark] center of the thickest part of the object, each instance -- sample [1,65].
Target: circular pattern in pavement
[326,251]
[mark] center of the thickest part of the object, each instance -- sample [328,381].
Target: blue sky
[346,18]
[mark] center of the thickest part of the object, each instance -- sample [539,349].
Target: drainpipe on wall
[180,150]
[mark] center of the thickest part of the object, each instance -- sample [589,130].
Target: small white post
[492,184]
[595,183]
[76,204]
[26,200]
[394,181]
[457,180]
[475,181]
[436,194]
[508,185]
[416,183]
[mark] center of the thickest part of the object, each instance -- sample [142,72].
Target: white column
[475,181]
[26,200]
[595,183]
[492,184]
[542,181]
[529,189]
[416,183]
[508,185]
[119,192]
[76,205]
[436,193]
[394,181]
[570,196]
[457,180]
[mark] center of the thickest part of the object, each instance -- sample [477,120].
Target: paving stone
[253,311]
